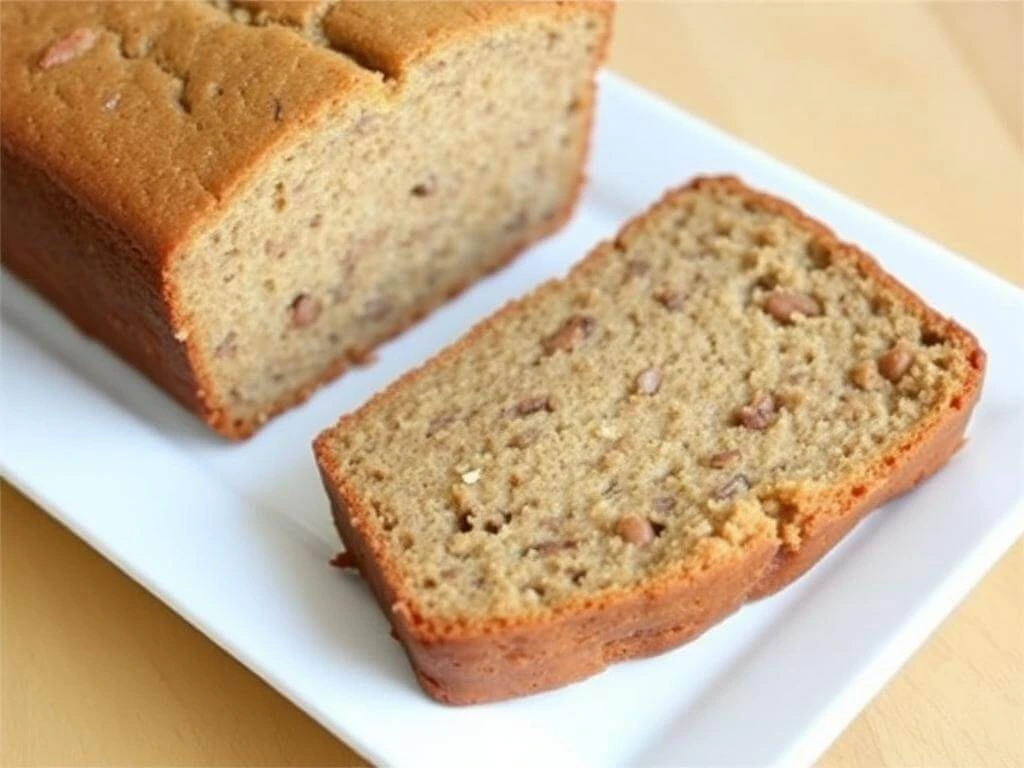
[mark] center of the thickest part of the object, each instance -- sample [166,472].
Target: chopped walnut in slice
[671,299]
[635,530]
[759,413]
[785,305]
[573,332]
[528,406]
[897,361]
[734,486]
[864,375]
[304,310]
[723,459]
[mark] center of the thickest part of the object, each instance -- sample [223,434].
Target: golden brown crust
[389,37]
[171,120]
[152,71]
[52,241]
[520,658]
[494,659]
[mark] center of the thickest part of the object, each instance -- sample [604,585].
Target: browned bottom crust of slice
[516,657]
[537,657]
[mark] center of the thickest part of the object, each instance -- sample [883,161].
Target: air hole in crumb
[429,583]
[578,577]
[280,201]
[463,522]
[930,338]
[956,402]
[316,221]
[858,491]
[658,528]
[406,540]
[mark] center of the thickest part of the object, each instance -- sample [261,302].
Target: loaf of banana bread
[243,197]
[605,468]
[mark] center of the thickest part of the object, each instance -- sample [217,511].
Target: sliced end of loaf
[694,416]
[384,209]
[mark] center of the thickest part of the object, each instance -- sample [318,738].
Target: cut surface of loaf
[606,467]
[243,198]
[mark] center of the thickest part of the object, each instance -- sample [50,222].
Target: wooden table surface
[914,109]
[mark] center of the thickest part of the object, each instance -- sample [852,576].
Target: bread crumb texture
[647,417]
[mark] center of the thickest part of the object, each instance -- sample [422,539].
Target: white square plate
[236,538]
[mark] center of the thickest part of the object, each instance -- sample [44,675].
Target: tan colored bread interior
[379,214]
[664,393]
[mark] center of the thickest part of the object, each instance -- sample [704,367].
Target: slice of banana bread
[607,467]
[243,197]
